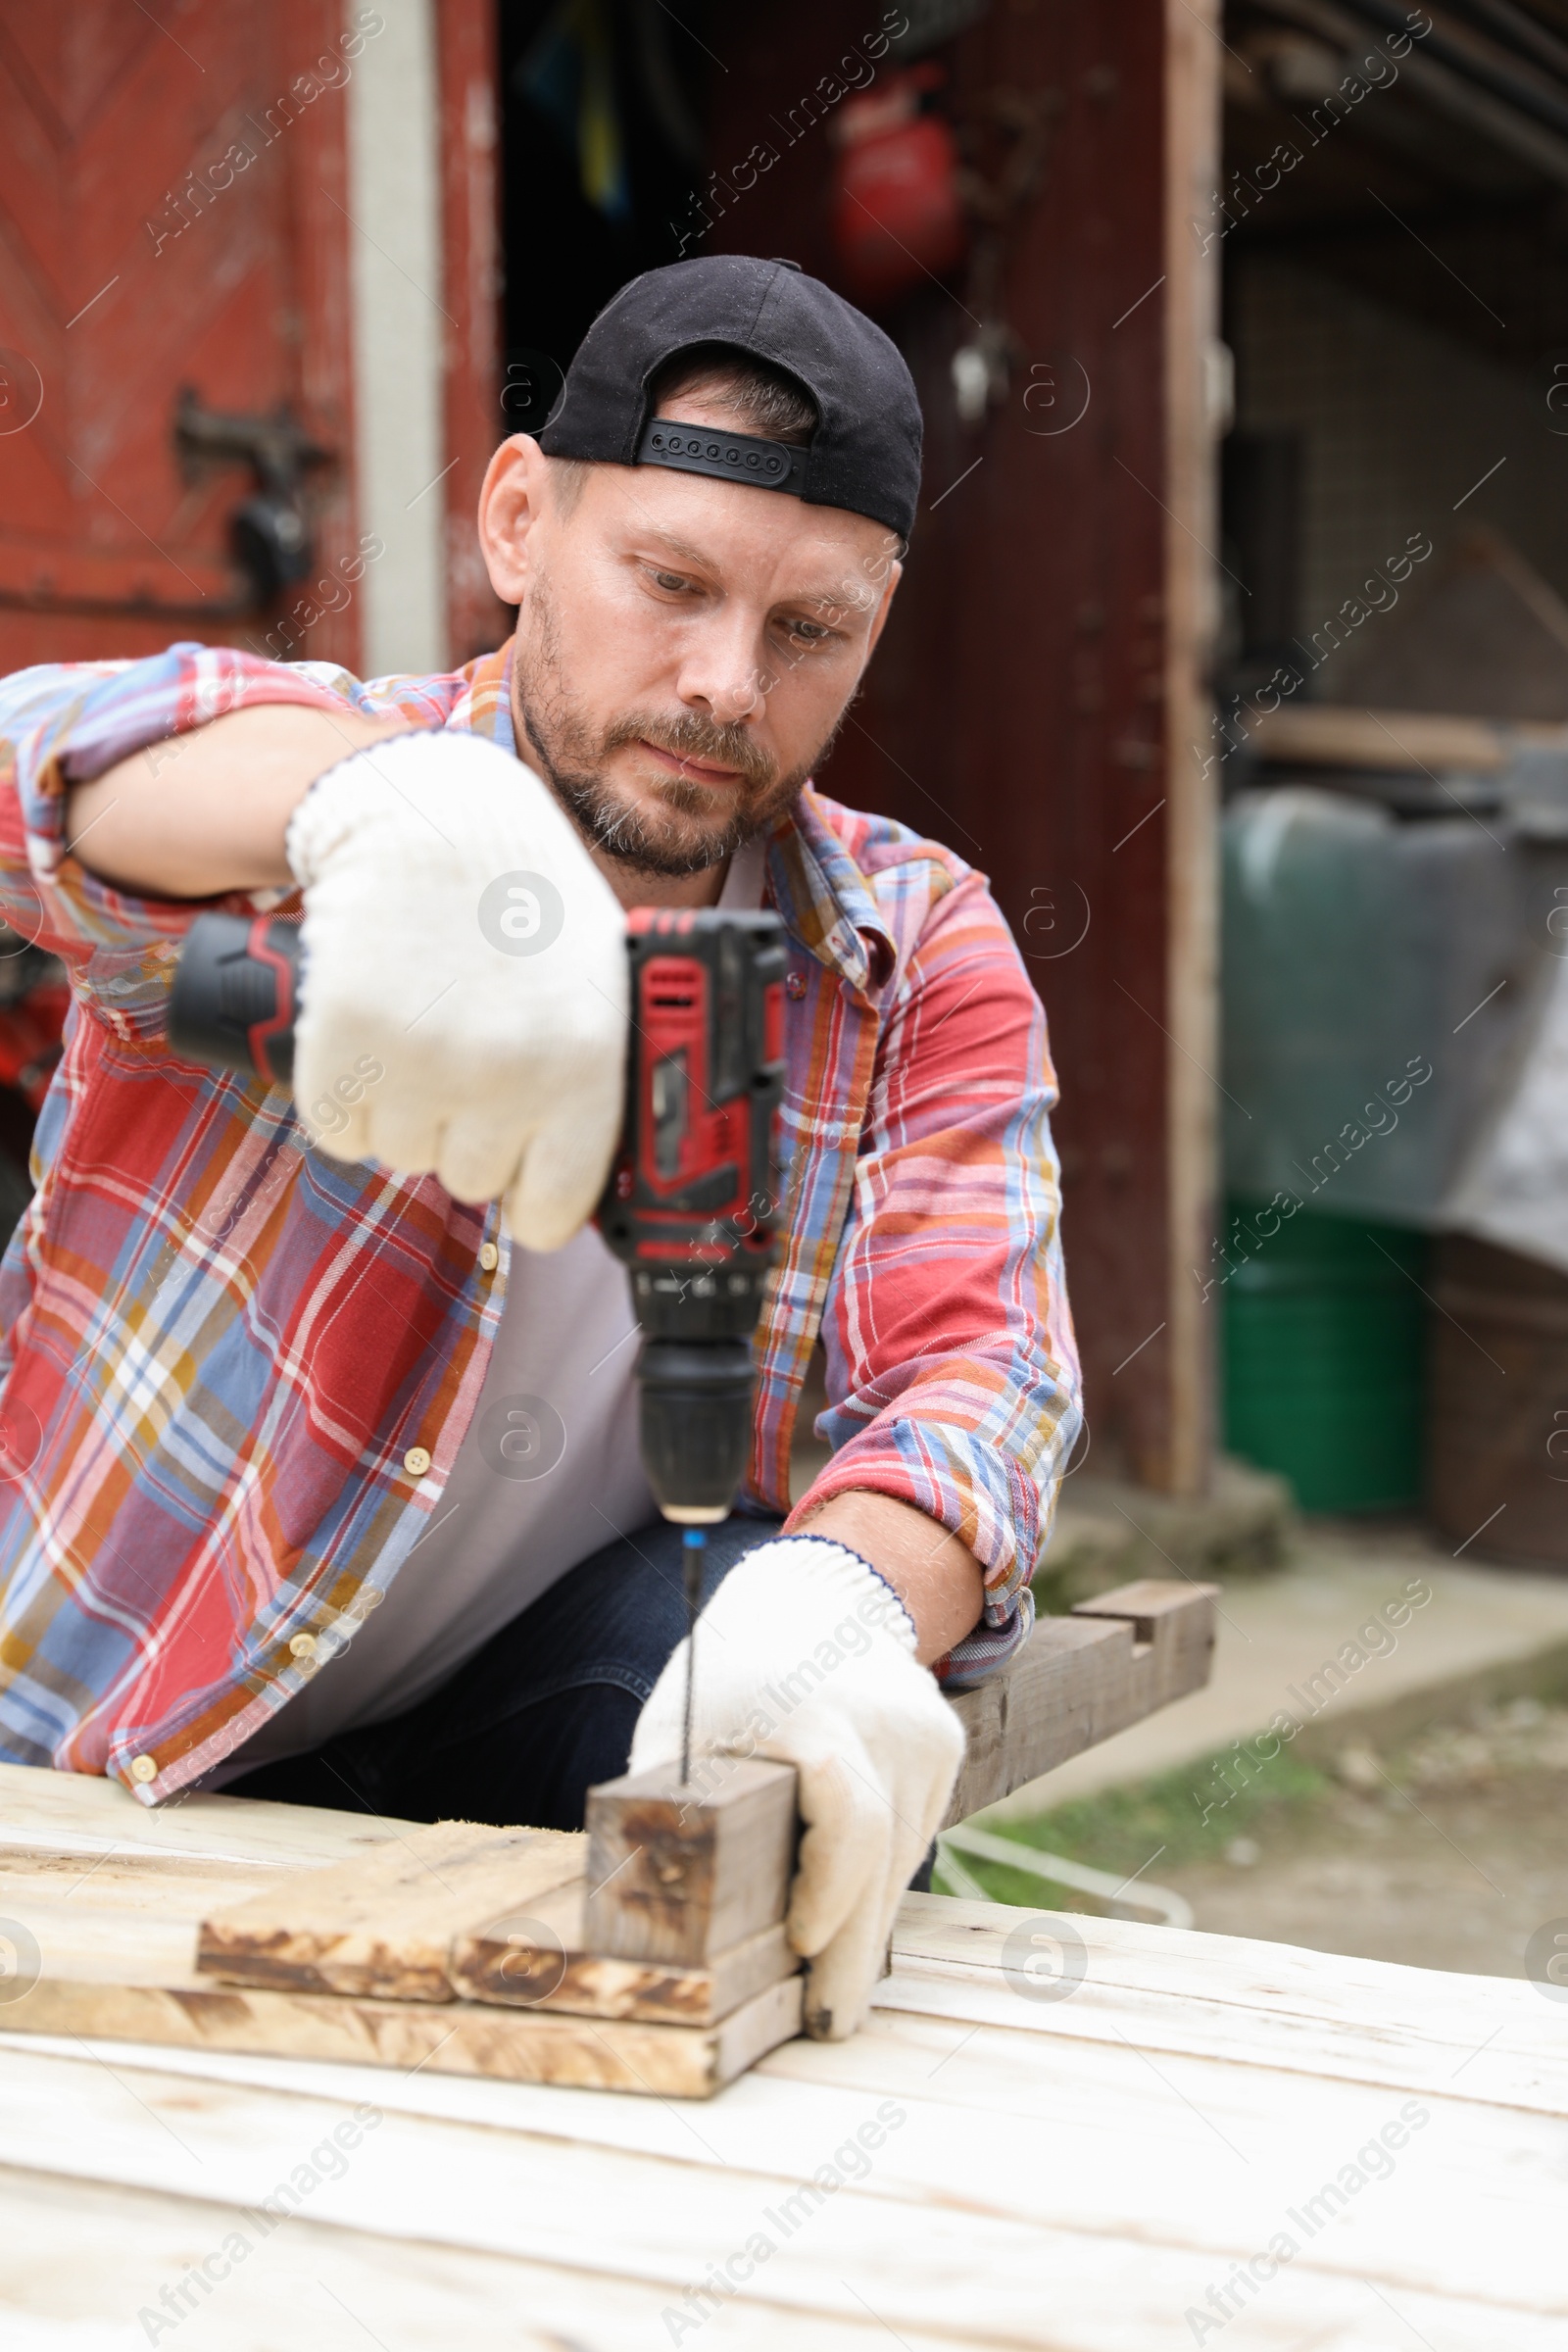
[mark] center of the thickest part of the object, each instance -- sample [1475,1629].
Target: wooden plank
[76,1812]
[107,1944]
[1323,2018]
[79,2251]
[129,1882]
[1323,2014]
[86,2250]
[679,1873]
[540,1960]
[455,2037]
[1079,1679]
[384,1925]
[1326,735]
[1257,2005]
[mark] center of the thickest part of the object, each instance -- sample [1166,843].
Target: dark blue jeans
[538,1715]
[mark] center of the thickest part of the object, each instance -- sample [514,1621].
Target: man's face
[685,646]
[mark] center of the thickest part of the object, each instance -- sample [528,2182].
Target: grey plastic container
[1359,953]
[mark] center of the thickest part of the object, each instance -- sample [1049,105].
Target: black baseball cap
[864,454]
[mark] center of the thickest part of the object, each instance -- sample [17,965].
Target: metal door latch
[268,531]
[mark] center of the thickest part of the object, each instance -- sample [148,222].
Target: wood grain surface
[993,2162]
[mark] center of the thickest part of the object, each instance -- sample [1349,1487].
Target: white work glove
[804,1654]
[465,990]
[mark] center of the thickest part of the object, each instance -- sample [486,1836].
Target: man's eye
[809,632]
[673,582]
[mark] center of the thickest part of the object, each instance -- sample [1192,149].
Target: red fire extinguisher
[897,214]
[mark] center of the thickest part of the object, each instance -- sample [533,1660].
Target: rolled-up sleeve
[65,723]
[953,1376]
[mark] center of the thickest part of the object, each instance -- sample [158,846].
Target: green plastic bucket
[1324,1340]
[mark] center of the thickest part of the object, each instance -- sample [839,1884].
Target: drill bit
[694,1542]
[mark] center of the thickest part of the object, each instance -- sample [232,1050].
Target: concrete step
[1108,1532]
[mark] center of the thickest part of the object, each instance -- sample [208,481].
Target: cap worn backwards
[864,454]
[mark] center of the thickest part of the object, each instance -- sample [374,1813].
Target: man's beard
[694,825]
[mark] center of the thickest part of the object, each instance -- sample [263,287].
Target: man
[266,1368]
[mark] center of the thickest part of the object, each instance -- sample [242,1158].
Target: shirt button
[143,1768]
[416,1462]
[303,1646]
[489,1257]
[794,984]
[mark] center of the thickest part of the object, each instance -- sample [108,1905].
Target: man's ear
[515,496]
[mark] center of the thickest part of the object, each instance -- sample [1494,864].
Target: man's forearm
[207,812]
[936,1576]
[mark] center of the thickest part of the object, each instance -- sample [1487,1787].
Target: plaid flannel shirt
[226,1357]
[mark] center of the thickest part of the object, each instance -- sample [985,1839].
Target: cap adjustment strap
[727,457]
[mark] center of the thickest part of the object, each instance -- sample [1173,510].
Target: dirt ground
[1455,1866]
[1448,1852]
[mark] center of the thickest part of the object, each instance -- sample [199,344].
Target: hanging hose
[1170,1909]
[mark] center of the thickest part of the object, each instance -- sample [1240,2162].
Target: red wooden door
[172,185]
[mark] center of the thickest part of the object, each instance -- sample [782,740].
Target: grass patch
[1187,1816]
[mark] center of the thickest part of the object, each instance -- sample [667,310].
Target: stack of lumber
[645,1954]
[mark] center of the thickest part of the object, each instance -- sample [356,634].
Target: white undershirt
[548,1471]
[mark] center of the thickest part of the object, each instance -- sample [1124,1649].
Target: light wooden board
[76,2251]
[72,1812]
[455,2037]
[117,1937]
[90,2249]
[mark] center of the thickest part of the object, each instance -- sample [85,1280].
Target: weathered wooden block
[539,1959]
[383,1925]
[1077,1680]
[1173,1634]
[678,1877]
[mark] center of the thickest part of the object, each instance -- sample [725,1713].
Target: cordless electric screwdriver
[692,1203]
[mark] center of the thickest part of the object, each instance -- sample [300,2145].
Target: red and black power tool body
[692,1203]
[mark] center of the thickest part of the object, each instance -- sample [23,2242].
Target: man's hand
[807,1655]
[457,934]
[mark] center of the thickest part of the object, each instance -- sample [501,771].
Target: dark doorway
[603,105]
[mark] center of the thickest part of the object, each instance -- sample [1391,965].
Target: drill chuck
[695,1425]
